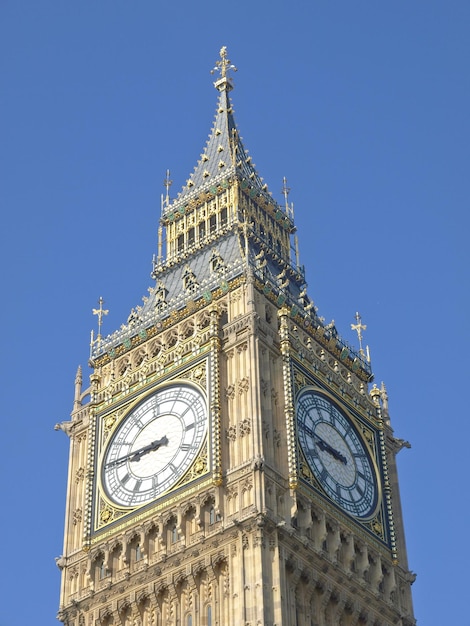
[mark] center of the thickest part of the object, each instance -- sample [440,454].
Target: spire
[224,155]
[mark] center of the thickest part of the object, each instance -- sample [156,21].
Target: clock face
[336,454]
[154,445]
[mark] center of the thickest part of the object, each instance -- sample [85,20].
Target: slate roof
[224,154]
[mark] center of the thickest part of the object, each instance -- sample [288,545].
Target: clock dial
[336,454]
[154,445]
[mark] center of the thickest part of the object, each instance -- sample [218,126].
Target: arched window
[223,216]
[212,223]
[209,615]
[190,236]
[190,620]
[202,230]
[116,555]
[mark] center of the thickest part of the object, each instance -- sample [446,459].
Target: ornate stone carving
[231,433]
[77,516]
[244,427]
[230,392]
[243,385]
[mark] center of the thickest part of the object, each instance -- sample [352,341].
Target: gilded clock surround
[369,436]
[106,511]
[229,314]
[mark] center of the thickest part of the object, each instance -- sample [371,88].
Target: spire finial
[285,193]
[223,66]
[167,183]
[99,312]
[359,327]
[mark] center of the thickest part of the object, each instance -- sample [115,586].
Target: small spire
[234,145]
[297,255]
[384,396]
[99,312]
[359,327]
[223,66]
[78,388]
[78,376]
[167,184]
[285,192]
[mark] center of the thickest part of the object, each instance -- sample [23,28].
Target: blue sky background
[363,106]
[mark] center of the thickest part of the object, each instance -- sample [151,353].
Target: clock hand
[136,454]
[323,445]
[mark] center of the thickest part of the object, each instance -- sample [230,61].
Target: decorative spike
[285,192]
[167,183]
[359,327]
[78,388]
[224,64]
[99,312]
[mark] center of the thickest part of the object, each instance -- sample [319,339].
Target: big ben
[231,461]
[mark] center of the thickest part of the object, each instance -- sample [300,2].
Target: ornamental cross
[224,64]
[359,327]
[100,312]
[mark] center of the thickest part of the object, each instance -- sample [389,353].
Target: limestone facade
[247,536]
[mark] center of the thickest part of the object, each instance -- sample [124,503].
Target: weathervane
[223,65]
[99,312]
[359,327]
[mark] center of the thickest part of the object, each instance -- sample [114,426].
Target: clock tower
[230,461]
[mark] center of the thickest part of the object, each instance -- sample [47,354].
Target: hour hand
[323,445]
[136,454]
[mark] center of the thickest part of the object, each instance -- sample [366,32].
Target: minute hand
[137,454]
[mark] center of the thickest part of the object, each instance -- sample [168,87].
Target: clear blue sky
[363,106]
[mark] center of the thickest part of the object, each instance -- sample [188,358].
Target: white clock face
[336,454]
[154,445]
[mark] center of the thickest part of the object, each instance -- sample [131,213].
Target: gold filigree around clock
[197,374]
[107,513]
[299,380]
